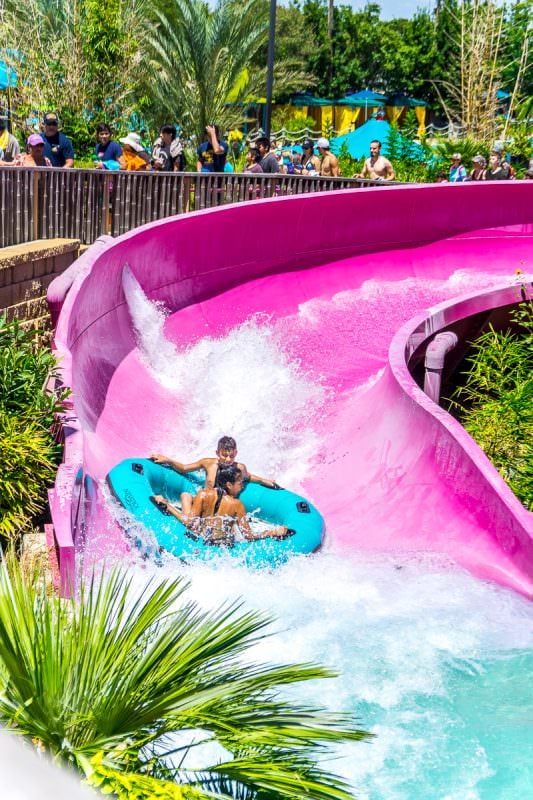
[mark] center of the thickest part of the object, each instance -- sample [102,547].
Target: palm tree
[202,59]
[103,684]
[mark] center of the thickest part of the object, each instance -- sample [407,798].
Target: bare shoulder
[243,468]
[238,507]
[208,462]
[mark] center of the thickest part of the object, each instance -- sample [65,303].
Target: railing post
[105,227]
[36,217]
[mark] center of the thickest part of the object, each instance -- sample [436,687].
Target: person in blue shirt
[107,149]
[457,171]
[56,145]
[212,153]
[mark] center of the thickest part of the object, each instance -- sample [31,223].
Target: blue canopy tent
[8,81]
[362,99]
[306,99]
[358,141]
[8,76]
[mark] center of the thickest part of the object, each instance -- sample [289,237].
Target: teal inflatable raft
[135,481]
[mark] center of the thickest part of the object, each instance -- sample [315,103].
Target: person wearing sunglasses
[57,147]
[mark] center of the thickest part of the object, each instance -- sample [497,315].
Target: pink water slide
[375,274]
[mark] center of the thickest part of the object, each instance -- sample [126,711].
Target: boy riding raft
[215,513]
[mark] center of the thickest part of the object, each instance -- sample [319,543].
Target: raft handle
[303,507]
[138,468]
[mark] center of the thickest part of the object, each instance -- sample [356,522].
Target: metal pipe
[434,362]
[270,68]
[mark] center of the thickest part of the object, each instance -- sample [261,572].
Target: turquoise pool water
[432,661]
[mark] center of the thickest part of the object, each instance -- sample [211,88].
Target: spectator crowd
[52,148]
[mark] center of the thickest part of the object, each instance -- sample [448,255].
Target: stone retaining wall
[26,270]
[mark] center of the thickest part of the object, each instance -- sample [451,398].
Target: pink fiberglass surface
[331,283]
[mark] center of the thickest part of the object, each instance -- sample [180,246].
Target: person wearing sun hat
[57,147]
[457,172]
[34,157]
[479,169]
[135,156]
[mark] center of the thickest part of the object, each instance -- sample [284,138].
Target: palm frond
[122,670]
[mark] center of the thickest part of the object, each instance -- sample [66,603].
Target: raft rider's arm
[262,481]
[177,466]
[166,507]
[281,532]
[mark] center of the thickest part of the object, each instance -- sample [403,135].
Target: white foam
[242,384]
[397,631]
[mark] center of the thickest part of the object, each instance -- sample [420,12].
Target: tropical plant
[202,62]
[412,161]
[468,147]
[495,403]
[28,451]
[76,57]
[115,675]
[134,786]
[27,465]
[296,123]
[25,368]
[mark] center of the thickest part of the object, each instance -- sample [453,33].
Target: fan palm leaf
[121,671]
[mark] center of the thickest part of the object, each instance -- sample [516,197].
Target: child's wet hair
[227,473]
[226,443]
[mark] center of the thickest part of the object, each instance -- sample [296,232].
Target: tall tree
[203,58]
[78,57]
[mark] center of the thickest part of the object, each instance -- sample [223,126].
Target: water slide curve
[355,284]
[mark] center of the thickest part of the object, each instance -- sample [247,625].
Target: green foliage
[412,161]
[495,404]
[292,124]
[25,367]
[138,63]
[517,27]
[349,166]
[114,675]
[27,455]
[468,148]
[77,57]
[202,58]
[134,786]
[27,450]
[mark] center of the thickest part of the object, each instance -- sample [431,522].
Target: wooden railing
[41,203]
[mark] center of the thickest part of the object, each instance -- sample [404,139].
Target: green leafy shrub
[445,148]
[25,368]
[291,124]
[28,452]
[413,162]
[495,404]
[27,463]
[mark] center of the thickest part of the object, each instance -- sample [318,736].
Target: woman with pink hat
[34,157]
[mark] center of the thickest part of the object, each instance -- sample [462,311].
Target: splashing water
[435,663]
[248,386]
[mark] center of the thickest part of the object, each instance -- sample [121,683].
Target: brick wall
[25,272]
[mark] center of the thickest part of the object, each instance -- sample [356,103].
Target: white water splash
[242,384]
